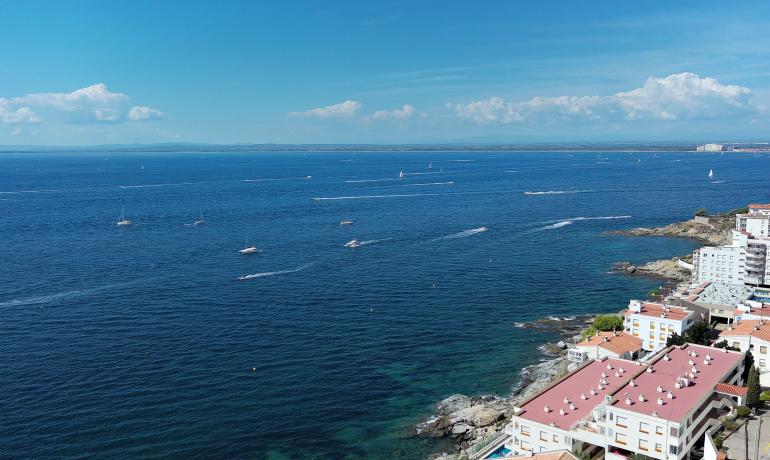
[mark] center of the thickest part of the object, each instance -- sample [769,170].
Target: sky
[110,72]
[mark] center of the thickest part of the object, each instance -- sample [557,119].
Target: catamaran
[123,221]
[711,173]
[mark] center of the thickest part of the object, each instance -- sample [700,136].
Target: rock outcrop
[667,269]
[713,234]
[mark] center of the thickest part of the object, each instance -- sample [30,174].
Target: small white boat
[401,174]
[346,222]
[123,222]
[243,277]
[249,250]
[353,244]
[711,173]
[430,165]
[200,221]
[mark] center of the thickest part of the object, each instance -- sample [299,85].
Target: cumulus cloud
[406,112]
[343,110]
[675,97]
[95,103]
[139,112]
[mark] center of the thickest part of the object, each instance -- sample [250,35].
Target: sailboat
[401,174]
[346,222]
[123,221]
[430,165]
[248,249]
[200,220]
[711,173]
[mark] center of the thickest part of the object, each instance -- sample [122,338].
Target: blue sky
[383,72]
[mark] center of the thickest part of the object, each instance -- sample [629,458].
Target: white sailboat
[200,220]
[711,173]
[248,249]
[430,165]
[401,174]
[123,221]
[346,222]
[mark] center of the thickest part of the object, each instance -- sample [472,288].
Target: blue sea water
[142,342]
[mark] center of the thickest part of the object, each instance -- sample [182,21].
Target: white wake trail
[558,192]
[463,234]
[278,272]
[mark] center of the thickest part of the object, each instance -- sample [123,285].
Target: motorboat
[200,220]
[346,222]
[353,244]
[249,250]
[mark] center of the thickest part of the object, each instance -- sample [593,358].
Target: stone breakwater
[471,421]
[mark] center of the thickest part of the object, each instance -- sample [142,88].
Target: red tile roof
[615,342]
[759,206]
[734,390]
[753,327]
[656,309]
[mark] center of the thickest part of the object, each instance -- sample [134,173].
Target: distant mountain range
[480,147]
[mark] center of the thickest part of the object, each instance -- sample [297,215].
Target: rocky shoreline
[473,421]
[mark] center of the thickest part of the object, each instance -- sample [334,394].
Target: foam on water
[277,272]
[558,192]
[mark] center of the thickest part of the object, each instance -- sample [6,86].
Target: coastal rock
[715,233]
[561,344]
[453,403]
[667,269]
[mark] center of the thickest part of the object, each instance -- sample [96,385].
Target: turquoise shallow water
[141,342]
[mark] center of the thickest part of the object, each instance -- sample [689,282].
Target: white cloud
[95,103]
[406,112]
[139,112]
[675,97]
[343,110]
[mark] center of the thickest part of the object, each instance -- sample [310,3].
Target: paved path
[759,437]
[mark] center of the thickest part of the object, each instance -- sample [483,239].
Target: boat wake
[278,272]
[577,219]
[425,184]
[558,192]
[44,299]
[561,224]
[361,181]
[717,182]
[463,234]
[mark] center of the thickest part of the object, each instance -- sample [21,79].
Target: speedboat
[243,277]
[123,222]
[353,244]
[346,222]
[249,250]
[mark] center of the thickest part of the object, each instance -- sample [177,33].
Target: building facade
[608,344]
[654,323]
[614,408]
[752,336]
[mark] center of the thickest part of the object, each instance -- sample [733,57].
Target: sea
[161,340]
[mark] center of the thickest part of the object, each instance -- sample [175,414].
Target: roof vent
[706,362]
[666,357]
[650,370]
[670,395]
[693,354]
[628,401]
[617,374]
[600,387]
[604,382]
[642,398]
[566,400]
[561,412]
[660,401]
[708,356]
[621,370]
[654,413]
[660,389]
[604,375]
[609,366]
[571,406]
[593,392]
[632,383]
[546,409]
[690,362]
[583,396]
[694,370]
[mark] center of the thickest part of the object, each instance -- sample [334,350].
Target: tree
[675,339]
[699,333]
[752,397]
[724,345]
[748,364]
[608,322]
[743,411]
[702,212]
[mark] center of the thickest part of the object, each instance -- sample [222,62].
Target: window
[658,447]
[544,436]
[673,431]
[524,430]
[516,425]
[643,445]
[736,345]
[659,430]
[662,336]
[555,438]
[652,326]
[644,427]
[620,438]
[524,445]
[636,332]
[673,450]
[621,422]
[652,335]
[762,363]
[636,323]
[763,350]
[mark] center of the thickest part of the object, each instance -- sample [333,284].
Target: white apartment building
[752,336]
[745,259]
[654,323]
[613,408]
[710,148]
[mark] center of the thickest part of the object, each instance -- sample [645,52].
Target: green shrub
[719,442]
[729,424]
[743,411]
[765,396]
[702,212]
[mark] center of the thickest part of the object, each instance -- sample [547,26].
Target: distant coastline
[625,147]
